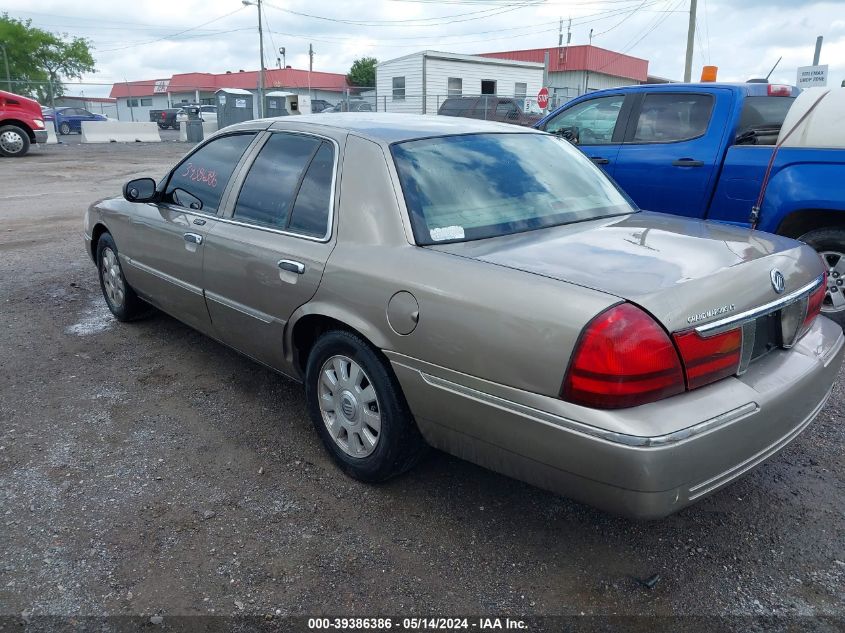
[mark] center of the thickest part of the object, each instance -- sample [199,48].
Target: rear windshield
[763,113]
[474,186]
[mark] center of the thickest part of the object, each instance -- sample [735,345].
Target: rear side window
[669,118]
[310,215]
[199,181]
[760,113]
[270,187]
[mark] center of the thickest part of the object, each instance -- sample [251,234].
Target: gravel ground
[147,470]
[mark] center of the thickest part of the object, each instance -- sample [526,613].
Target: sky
[148,39]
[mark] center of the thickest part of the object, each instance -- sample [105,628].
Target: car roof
[386,127]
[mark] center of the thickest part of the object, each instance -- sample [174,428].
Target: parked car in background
[319,105]
[21,124]
[486,289]
[165,118]
[353,105]
[207,113]
[69,120]
[488,108]
[703,150]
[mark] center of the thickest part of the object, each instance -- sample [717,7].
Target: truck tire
[14,141]
[162,126]
[830,243]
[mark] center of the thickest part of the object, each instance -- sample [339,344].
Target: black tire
[14,141]
[64,128]
[175,126]
[399,445]
[132,307]
[162,126]
[830,241]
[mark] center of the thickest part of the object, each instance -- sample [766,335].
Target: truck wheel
[64,129]
[358,409]
[830,243]
[162,126]
[14,141]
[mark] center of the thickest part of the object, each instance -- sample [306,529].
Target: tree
[363,72]
[36,56]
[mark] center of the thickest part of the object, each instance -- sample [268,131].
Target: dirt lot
[145,469]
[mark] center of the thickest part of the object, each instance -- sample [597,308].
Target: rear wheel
[830,243]
[359,410]
[14,141]
[121,299]
[64,128]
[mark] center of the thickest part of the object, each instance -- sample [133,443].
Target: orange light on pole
[708,73]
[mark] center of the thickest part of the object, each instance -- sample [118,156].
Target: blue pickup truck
[702,150]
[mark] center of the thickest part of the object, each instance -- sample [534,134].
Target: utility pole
[816,55]
[257,3]
[690,40]
[560,33]
[8,75]
[310,67]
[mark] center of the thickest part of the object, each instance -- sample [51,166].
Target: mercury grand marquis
[486,290]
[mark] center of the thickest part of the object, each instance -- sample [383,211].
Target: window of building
[488,87]
[198,182]
[456,86]
[146,102]
[398,88]
[270,188]
[520,89]
[668,118]
[132,103]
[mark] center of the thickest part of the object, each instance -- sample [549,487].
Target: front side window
[477,186]
[669,118]
[398,88]
[505,109]
[592,121]
[198,182]
[456,86]
[269,192]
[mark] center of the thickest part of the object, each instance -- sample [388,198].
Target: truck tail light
[780,90]
[624,358]
[814,305]
[709,359]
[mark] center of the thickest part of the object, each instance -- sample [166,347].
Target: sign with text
[812,77]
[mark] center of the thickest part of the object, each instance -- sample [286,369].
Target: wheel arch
[96,234]
[18,123]
[311,321]
[802,221]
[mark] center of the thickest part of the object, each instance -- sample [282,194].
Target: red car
[21,124]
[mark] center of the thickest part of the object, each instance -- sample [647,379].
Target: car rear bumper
[40,136]
[719,432]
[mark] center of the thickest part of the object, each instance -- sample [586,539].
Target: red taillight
[780,90]
[814,305]
[709,359]
[623,359]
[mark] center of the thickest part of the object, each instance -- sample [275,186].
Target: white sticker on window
[447,233]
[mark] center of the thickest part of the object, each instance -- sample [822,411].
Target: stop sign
[543,98]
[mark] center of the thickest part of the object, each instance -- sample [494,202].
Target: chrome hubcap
[112,279]
[834,300]
[11,141]
[349,406]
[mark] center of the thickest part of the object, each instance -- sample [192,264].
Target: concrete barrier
[208,128]
[51,133]
[119,132]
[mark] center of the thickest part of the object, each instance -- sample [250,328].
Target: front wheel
[121,299]
[830,243]
[14,141]
[358,408]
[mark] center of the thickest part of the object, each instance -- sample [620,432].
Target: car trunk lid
[684,272]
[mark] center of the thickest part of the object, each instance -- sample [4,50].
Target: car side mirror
[140,190]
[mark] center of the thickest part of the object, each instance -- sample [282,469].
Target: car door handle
[292,266]
[193,238]
[598,160]
[688,162]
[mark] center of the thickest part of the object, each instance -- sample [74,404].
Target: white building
[420,82]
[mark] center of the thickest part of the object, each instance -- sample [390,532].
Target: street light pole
[257,3]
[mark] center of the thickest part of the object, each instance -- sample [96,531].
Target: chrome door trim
[164,276]
[728,323]
[243,309]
